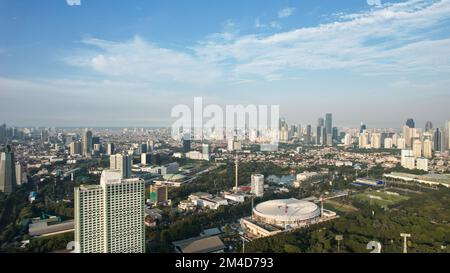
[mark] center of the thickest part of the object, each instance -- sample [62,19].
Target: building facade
[109,218]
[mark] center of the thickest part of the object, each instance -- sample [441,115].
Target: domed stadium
[287,213]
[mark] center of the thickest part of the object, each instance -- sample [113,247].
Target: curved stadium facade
[287,213]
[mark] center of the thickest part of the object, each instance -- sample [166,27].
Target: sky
[128,63]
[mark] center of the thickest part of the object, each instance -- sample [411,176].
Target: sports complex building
[275,216]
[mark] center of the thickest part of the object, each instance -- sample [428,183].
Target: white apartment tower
[257,184]
[109,218]
[388,143]
[121,163]
[417,148]
[376,141]
[422,164]
[363,140]
[401,144]
[427,148]
[408,160]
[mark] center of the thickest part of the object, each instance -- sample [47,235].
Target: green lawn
[381,199]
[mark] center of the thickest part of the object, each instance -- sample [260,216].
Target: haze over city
[104,63]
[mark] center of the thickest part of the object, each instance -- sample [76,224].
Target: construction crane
[321,199]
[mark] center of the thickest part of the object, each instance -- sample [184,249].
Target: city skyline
[128,65]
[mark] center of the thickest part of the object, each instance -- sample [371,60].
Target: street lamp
[339,238]
[405,241]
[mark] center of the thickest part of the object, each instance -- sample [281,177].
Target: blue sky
[127,63]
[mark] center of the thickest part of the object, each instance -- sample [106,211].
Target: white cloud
[397,38]
[374,2]
[73,2]
[393,39]
[141,60]
[286,12]
[270,25]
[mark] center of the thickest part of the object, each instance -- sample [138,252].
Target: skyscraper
[7,171]
[308,134]
[417,148]
[363,140]
[362,128]
[319,135]
[410,123]
[3,134]
[87,142]
[437,140]
[446,136]
[320,122]
[335,134]
[428,126]
[408,134]
[427,148]
[186,143]
[19,174]
[408,160]
[110,149]
[376,141]
[257,184]
[75,148]
[329,123]
[109,218]
[121,163]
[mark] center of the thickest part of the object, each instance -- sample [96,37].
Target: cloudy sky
[127,63]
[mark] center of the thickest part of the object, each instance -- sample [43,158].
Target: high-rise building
[121,163]
[335,134]
[428,126]
[329,139]
[329,123]
[257,184]
[446,136]
[410,123]
[299,131]
[143,147]
[348,140]
[417,148]
[19,174]
[422,164]
[7,171]
[320,122]
[75,148]
[186,143]
[408,134]
[308,136]
[408,159]
[109,218]
[284,131]
[388,143]
[318,135]
[87,142]
[437,140]
[362,128]
[95,140]
[158,194]
[401,144]
[3,134]
[376,141]
[206,149]
[363,140]
[427,148]
[110,149]
[324,136]
[146,158]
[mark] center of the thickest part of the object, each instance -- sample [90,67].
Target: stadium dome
[287,212]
